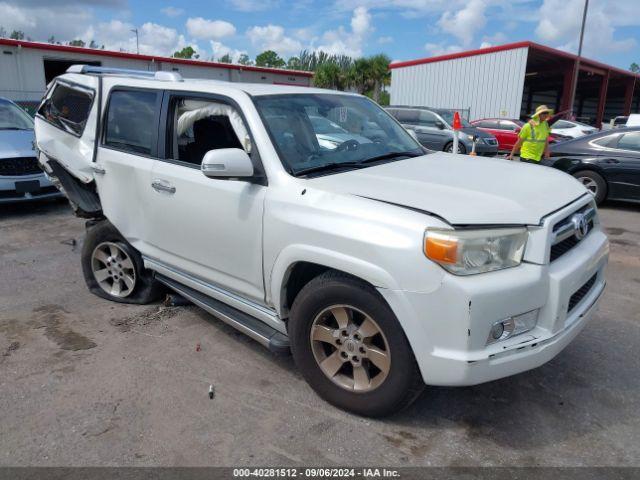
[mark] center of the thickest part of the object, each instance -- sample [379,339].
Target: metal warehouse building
[511,80]
[27,67]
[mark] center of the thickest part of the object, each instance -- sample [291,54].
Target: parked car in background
[633,120]
[506,131]
[21,178]
[433,129]
[607,163]
[571,128]
[616,122]
[379,266]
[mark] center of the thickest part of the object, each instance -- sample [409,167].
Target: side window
[408,116]
[608,141]
[427,119]
[68,108]
[132,120]
[507,125]
[199,126]
[630,141]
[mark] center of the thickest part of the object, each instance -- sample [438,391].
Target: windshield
[13,117]
[314,132]
[448,117]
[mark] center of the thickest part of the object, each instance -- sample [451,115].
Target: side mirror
[227,163]
[439,124]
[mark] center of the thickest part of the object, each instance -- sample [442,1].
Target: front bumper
[11,192]
[485,150]
[449,327]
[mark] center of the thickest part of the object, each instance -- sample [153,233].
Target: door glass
[427,119]
[630,141]
[132,121]
[507,125]
[67,108]
[201,126]
[408,116]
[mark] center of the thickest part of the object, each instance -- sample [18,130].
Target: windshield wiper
[328,167]
[390,155]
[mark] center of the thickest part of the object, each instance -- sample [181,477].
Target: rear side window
[68,108]
[630,141]
[132,121]
[408,116]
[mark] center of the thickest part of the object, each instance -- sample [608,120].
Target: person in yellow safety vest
[533,139]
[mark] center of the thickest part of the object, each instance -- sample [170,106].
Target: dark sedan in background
[607,163]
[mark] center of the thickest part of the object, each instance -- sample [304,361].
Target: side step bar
[256,329]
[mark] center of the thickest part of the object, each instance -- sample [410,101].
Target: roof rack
[126,72]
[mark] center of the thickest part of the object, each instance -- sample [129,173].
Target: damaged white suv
[312,221]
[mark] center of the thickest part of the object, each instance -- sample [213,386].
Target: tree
[329,75]
[379,74]
[77,43]
[359,75]
[226,58]
[51,39]
[93,44]
[269,58]
[17,35]
[186,52]
[3,32]
[294,63]
[245,60]
[635,68]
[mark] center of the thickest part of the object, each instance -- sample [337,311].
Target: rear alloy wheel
[350,348]
[113,269]
[594,183]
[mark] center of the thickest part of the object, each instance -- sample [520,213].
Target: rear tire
[114,270]
[350,348]
[594,183]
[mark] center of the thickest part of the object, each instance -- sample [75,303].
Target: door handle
[98,169]
[611,161]
[162,186]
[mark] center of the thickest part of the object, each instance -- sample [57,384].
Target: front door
[207,228]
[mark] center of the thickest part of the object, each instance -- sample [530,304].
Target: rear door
[65,124]
[126,154]
[623,169]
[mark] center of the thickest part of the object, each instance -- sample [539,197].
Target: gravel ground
[87,382]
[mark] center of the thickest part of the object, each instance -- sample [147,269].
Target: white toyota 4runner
[313,222]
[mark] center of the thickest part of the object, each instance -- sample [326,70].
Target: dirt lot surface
[87,382]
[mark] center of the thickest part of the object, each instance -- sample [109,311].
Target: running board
[254,328]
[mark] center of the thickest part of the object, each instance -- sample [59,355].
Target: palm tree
[380,75]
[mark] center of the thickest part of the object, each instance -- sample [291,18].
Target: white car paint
[570,128]
[238,241]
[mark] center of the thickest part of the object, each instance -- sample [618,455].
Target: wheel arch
[297,265]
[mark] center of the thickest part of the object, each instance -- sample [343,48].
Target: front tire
[113,269]
[350,348]
[449,148]
[594,183]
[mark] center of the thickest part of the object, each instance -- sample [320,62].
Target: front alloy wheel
[350,348]
[589,184]
[113,269]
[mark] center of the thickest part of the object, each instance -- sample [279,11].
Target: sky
[403,29]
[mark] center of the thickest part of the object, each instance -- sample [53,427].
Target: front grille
[563,247]
[565,231]
[581,293]
[19,166]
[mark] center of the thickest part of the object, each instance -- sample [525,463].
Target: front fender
[296,253]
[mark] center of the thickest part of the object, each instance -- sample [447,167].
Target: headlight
[467,252]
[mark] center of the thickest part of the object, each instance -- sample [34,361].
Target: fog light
[497,330]
[509,327]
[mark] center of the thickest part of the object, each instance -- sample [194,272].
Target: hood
[461,189]
[476,131]
[16,143]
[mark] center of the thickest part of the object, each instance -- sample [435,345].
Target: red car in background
[506,131]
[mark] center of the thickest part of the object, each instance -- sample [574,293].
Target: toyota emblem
[580,225]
